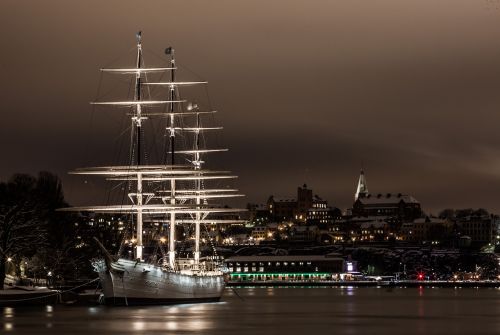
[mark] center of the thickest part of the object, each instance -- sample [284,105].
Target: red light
[420,276]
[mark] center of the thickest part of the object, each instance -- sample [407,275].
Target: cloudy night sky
[308,91]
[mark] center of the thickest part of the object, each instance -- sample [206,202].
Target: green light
[280,274]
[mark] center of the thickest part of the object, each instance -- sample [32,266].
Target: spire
[362,190]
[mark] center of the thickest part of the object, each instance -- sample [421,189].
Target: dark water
[281,311]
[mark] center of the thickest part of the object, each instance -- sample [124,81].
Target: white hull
[146,284]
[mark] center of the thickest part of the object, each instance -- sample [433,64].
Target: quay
[365,283]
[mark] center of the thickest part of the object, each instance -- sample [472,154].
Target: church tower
[362,190]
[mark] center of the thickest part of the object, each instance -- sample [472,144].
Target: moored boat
[28,296]
[165,194]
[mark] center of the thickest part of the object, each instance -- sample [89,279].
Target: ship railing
[208,266]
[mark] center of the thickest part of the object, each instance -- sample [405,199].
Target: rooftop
[389,198]
[297,258]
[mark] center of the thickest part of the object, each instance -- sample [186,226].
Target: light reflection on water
[8,312]
[348,310]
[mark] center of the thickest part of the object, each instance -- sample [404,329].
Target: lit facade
[285,268]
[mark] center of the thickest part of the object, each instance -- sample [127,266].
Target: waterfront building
[286,268]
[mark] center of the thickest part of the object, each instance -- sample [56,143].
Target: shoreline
[398,284]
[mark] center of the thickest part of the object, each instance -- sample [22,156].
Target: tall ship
[177,190]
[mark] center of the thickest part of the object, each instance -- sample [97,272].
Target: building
[286,268]
[322,215]
[428,229]
[304,201]
[362,189]
[282,208]
[304,233]
[259,233]
[291,208]
[479,228]
[401,206]
[258,213]
[305,208]
[374,231]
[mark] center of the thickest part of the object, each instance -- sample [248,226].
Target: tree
[447,214]
[27,205]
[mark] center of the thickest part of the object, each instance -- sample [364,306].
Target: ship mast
[171,245]
[170,51]
[197,166]
[179,203]
[138,120]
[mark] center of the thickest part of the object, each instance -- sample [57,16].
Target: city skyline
[225,167]
[407,91]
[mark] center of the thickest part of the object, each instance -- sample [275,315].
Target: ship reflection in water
[280,311]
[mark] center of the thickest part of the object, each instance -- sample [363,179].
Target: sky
[307,91]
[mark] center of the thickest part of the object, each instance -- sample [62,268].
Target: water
[282,311]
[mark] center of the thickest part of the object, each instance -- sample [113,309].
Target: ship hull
[135,283]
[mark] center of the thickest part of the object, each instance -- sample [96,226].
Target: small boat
[28,296]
